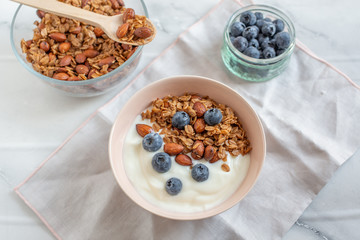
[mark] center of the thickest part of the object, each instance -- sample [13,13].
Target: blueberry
[259,15]
[232,39]
[173,186]
[200,172]
[279,24]
[161,162]
[152,142]
[268,43]
[268,29]
[280,51]
[262,38]
[180,120]
[237,28]
[269,52]
[282,40]
[213,116]
[248,18]
[267,19]
[240,43]
[254,43]
[260,23]
[250,32]
[252,52]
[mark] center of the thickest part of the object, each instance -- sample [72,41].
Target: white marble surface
[34,119]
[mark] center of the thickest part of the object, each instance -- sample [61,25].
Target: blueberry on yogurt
[161,162]
[213,116]
[180,120]
[173,186]
[200,172]
[152,142]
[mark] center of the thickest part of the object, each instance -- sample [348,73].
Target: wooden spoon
[109,24]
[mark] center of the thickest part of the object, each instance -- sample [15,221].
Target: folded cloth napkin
[310,115]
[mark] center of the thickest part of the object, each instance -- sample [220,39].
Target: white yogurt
[194,196]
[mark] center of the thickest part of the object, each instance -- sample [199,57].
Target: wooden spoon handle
[65,10]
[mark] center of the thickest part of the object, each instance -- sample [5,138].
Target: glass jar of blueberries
[258,43]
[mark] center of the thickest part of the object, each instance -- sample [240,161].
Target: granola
[59,45]
[227,136]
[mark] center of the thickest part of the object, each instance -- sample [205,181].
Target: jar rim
[273,11]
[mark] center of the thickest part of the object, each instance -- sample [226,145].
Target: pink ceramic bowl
[179,85]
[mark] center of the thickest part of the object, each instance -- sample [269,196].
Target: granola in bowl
[69,50]
[186,168]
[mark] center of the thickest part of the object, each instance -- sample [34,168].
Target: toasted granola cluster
[69,50]
[227,136]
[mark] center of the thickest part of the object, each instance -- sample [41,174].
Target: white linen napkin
[310,115]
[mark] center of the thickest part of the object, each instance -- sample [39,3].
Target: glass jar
[253,69]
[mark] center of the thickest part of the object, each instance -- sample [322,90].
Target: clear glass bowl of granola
[225,185]
[92,77]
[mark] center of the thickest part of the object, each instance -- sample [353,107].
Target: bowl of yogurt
[185,162]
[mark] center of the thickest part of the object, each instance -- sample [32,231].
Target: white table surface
[35,119]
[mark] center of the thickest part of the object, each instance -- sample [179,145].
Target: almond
[40,13]
[74,78]
[209,153]
[225,167]
[65,61]
[131,53]
[143,32]
[199,125]
[60,37]
[143,129]
[198,150]
[80,58]
[196,97]
[62,70]
[75,30]
[115,4]
[215,158]
[61,76]
[91,73]
[84,2]
[199,109]
[91,53]
[52,57]
[45,46]
[183,160]
[122,30]
[173,148]
[82,69]
[128,14]
[107,61]
[98,32]
[28,43]
[121,3]
[126,47]
[64,47]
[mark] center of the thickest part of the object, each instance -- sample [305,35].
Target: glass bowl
[253,69]
[22,28]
